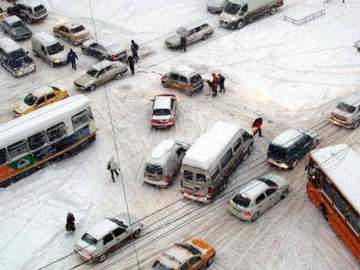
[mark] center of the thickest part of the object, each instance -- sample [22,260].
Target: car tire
[136,234]
[102,258]
[272,11]
[356,125]
[284,194]
[205,37]
[210,261]
[92,87]
[255,217]
[164,84]
[240,24]
[118,76]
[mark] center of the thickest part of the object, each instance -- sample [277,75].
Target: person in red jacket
[257,124]
[215,81]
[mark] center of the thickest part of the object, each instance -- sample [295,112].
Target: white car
[257,196]
[107,235]
[163,111]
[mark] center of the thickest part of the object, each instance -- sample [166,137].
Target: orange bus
[334,187]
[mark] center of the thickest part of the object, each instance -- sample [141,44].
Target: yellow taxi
[40,97]
[194,254]
[2,14]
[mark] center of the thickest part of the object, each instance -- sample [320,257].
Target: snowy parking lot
[291,76]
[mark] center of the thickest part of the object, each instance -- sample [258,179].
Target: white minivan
[49,49]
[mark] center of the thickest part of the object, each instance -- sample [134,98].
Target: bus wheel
[324,212]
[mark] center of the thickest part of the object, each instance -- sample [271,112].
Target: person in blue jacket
[72,57]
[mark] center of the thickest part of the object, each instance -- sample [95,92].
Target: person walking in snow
[72,57]
[134,50]
[215,81]
[257,124]
[212,87]
[183,43]
[70,222]
[130,61]
[113,167]
[221,83]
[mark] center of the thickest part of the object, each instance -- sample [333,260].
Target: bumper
[278,164]
[24,71]
[238,214]
[338,122]
[24,37]
[84,256]
[78,86]
[162,125]
[60,64]
[172,45]
[159,183]
[198,198]
[39,18]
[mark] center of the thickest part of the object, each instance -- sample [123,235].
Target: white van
[164,162]
[237,13]
[49,49]
[210,161]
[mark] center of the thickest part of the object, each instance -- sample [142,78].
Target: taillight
[113,57]
[211,190]
[167,178]
[247,213]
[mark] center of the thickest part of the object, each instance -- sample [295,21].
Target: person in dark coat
[221,83]
[215,81]
[183,43]
[134,50]
[70,222]
[257,124]
[212,87]
[72,57]
[130,61]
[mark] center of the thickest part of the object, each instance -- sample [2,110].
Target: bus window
[237,144]
[340,202]
[188,175]
[80,119]
[37,140]
[3,156]
[56,132]
[17,149]
[200,178]
[354,221]
[226,158]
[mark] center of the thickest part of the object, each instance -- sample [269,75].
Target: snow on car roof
[103,64]
[102,228]
[12,19]
[287,138]
[206,150]
[43,90]
[353,100]
[184,71]
[253,189]
[8,45]
[160,153]
[32,3]
[71,25]
[177,254]
[162,102]
[38,120]
[45,39]
[341,164]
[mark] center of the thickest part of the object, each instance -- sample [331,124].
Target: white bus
[30,141]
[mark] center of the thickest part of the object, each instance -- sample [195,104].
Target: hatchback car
[74,33]
[99,74]
[106,236]
[163,164]
[163,111]
[39,98]
[347,112]
[14,27]
[257,196]
[194,254]
[183,79]
[110,51]
[29,11]
[192,35]
[290,147]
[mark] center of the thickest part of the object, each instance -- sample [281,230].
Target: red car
[163,112]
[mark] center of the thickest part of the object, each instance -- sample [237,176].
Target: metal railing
[307,18]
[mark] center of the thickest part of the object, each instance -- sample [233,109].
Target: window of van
[80,119]
[3,156]
[56,132]
[54,49]
[118,231]
[354,220]
[188,175]
[37,140]
[17,149]
[215,174]
[237,144]
[108,238]
[174,76]
[200,178]
[226,158]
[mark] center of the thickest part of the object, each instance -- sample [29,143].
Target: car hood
[84,80]
[21,31]
[21,106]
[174,39]
[226,17]
[61,56]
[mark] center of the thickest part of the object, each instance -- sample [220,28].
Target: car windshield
[92,72]
[39,8]
[154,169]
[159,266]
[89,239]
[182,31]
[232,8]
[346,108]
[241,201]
[189,248]
[17,24]
[276,152]
[55,48]
[195,78]
[78,29]
[19,53]
[30,99]
[161,112]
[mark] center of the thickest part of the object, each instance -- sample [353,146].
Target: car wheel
[210,261]
[356,125]
[272,11]
[240,24]
[205,36]
[118,76]
[284,194]
[292,166]
[255,216]
[164,84]
[324,212]
[136,234]
[102,258]
[92,87]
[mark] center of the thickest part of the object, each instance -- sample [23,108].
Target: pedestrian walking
[183,43]
[257,124]
[215,81]
[134,51]
[130,61]
[72,57]
[113,167]
[70,222]
[212,87]
[221,83]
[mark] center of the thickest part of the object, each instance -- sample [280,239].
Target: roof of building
[341,164]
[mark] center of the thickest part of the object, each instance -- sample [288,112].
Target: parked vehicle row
[29,11]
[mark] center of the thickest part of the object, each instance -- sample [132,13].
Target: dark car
[29,11]
[110,51]
[291,146]
[16,28]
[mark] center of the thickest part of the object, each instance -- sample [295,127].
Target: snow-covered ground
[290,75]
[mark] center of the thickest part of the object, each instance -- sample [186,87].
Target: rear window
[89,239]
[154,169]
[346,108]
[195,79]
[39,8]
[161,112]
[268,182]
[78,29]
[276,152]
[189,248]
[241,201]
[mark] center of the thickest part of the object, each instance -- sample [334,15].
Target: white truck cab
[237,13]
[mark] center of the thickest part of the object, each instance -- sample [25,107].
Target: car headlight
[56,60]
[233,19]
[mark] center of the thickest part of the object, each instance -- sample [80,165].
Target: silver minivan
[164,162]
[257,196]
[49,49]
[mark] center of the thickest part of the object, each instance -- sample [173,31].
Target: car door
[101,77]
[40,102]
[260,203]
[120,235]
[196,262]
[110,72]
[50,98]
[95,50]
[65,32]
[100,50]
[183,83]
[191,37]
[272,196]
[173,80]
[108,242]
